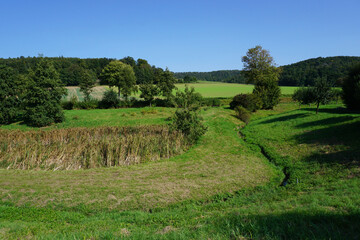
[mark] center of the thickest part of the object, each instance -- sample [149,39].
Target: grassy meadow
[206,89]
[288,174]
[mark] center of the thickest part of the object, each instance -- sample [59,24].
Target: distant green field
[206,89]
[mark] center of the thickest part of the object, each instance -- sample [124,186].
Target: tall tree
[9,95]
[87,83]
[120,75]
[351,89]
[42,95]
[260,69]
[166,82]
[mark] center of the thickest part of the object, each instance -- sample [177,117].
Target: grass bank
[324,204]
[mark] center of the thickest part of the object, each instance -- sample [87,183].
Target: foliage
[165,80]
[321,93]
[149,92]
[305,73]
[229,76]
[42,96]
[243,114]
[121,75]
[186,118]
[71,104]
[303,95]
[260,69]
[110,99]
[10,93]
[251,102]
[351,89]
[87,82]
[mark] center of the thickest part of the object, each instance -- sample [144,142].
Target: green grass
[206,89]
[106,117]
[322,150]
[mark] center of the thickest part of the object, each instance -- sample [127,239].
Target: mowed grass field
[206,89]
[225,187]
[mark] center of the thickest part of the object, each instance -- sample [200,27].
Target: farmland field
[227,186]
[206,89]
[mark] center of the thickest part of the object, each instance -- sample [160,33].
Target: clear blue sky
[183,35]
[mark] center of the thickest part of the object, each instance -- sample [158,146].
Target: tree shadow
[295,225]
[337,110]
[345,137]
[285,118]
[326,121]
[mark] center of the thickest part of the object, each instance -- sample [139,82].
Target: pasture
[206,89]
[227,186]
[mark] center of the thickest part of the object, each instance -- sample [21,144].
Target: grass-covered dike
[224,187]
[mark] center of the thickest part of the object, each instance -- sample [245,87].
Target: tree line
[72,70]
[303,73]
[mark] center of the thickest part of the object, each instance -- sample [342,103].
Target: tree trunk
[317,108]
[119,92]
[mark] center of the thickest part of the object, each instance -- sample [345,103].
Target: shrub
[186,118]
[243,114]
[251,102]
[110,99]
[71,104]
[189,123]
[351,89]
[89,104]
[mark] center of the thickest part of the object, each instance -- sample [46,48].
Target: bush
[90,104]
[110,99]
[71,104]
[251,102]
[351,89]
[186,118]
[243,114]
[189,123]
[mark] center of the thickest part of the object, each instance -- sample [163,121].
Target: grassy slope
[219,163]
[327,206]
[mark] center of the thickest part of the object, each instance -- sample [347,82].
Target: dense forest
[302,73]
[71,70]
[230,76]
[305,73]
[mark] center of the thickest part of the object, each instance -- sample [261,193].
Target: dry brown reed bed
[82,148]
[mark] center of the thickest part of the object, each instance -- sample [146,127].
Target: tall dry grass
[80,148]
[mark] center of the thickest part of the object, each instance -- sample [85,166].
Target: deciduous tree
[260,69]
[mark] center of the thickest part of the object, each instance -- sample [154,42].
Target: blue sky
[182,35]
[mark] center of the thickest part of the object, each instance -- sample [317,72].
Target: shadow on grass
[292,226]
[327,121]
[285,118]
[337,110]
[343,141]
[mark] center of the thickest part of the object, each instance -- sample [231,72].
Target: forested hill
[305,72]
[232,76]
[297,74]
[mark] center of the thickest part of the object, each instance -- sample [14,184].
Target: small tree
[322,92]
[303,95]
[87,83]
[186,118]
[149,92]
[319,94]
[42,96]
[166,83]
[260,69]
[110,99]
[351,89]
[120,75]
